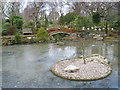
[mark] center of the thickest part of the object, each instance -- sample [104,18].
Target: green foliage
[57,37]
[51,22]
[67,18]
[51,25]
[17,38]
[18,21]
[81,21]
[60,43]
[11,30]
[42,34]
[52,38]
[117,22]
[28,24]
[6,25]
[4,32]
[7,20]
[96,18]
[8,29]
[102,24]
[38,25]
[62,20]
[83,33]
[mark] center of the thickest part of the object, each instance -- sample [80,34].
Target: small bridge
[61,32]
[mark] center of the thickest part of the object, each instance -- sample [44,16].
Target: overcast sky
[65,8]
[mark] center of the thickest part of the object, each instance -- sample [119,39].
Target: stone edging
[53,71]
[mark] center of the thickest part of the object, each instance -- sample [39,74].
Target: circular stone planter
[92,70]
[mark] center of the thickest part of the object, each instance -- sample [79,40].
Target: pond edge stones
[75,69]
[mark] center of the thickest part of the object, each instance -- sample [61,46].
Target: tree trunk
[106,28]
[83,52]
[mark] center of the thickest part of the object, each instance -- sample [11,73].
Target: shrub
[60,43]
[96,18]
[11,30]
[117,23]
[51,22]
[80,22]
[42,35]
[4,32]
[8,29]
[38,25]
[18,22]
[67,18]
[83,34]
[57,37]
[52,38]
[18,38]
[6,25]
[61,20]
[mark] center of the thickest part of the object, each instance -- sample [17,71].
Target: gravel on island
[92,70]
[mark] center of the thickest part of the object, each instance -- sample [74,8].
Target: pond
[28,66]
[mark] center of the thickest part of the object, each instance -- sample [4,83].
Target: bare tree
[83,52]
[87,8]
[35,10]
[101,7]
[10,9]
[53,13]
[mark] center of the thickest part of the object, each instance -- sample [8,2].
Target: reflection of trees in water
[104,49]
[74,49]
[67,51]
[100,48]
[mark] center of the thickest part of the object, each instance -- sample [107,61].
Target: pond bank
[7,42]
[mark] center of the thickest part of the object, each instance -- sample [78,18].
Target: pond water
[28,66]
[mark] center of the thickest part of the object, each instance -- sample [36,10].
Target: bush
[6,25]
[18,38]
[8,29]
[11,30]
[51,22]
[60,43]
[117,23]
[42,35]
[96,18]
[102,24]
[83,34]
[4,32]
[67,18]
[57,37]
[18,21]
[38,25]
[80,22]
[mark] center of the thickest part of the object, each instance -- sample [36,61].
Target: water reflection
[30,64]
[65,51]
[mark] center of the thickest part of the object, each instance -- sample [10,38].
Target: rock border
[78,79]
